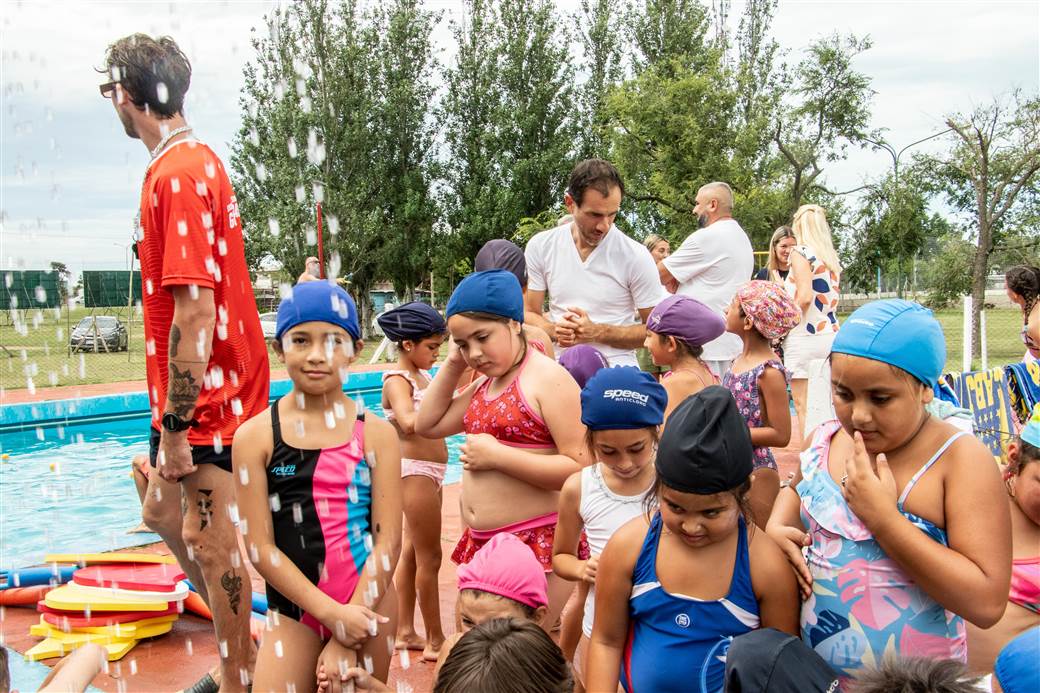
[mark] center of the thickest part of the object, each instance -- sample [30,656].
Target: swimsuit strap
[486,385]
[690,370]
[276,424]
[928,465]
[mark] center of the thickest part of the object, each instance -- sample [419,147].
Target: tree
[829,111]
[469,113]
[893,225]
[669,33]
[536,128]
[404,133]
[990,174]
[63,281]
[307,137]
[599,25]
[509,131]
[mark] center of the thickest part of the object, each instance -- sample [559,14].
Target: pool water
[69,488]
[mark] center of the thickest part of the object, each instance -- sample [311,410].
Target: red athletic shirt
[191,235]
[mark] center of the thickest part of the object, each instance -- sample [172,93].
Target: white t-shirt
[710,265]
[616,280]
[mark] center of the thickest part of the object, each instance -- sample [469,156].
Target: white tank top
[603,512]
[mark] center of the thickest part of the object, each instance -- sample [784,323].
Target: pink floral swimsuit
[863,605]
[744,387]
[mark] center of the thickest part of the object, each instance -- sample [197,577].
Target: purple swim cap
[582,361]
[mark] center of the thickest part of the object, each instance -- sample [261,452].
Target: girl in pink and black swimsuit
[524,434]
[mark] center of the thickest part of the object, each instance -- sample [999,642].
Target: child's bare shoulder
[255,425]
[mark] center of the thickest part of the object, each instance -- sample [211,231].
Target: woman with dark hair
[1023,288]
[779,263]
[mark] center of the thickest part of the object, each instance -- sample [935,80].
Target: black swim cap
[706,446]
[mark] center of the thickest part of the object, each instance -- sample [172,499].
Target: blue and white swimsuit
[679,643]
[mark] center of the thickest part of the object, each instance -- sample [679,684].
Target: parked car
[111,334]
[269,324]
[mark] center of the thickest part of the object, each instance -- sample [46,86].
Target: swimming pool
[68,487]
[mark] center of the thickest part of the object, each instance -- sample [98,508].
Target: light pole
[882,144]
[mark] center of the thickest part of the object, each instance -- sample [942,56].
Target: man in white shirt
[710,265]
[598,278]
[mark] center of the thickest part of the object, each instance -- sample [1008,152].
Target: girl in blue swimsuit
[674,589]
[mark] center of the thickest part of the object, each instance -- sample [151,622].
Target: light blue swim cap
[900,333]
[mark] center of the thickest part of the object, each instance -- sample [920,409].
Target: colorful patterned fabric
[771,309]
[863,605]
[744,387]
[1024,388]
[822,315]
[539,539]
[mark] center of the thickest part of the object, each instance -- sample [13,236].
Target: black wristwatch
[175,424]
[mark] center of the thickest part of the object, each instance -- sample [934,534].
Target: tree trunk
[978,283]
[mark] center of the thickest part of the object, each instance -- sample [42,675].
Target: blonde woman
[813,282]
[658,246]
[778,266]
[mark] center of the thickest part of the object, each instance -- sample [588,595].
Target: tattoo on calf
[183,391]
[205,503]
[232,584]
[175,340]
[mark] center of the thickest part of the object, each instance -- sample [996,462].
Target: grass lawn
[42,355]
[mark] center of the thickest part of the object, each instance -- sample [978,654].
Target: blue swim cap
[622,397]
[900,333]
[496,292]
[1016,668]
[317,301]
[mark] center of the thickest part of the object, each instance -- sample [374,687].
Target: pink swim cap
[507,567]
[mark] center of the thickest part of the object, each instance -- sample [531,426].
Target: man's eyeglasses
[108,89]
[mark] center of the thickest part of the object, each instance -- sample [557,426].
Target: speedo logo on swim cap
[627,396]
[861,321]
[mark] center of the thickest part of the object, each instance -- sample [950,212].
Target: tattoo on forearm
[184,391]
[205,504]
[175,340]
[184,504]
[232,584]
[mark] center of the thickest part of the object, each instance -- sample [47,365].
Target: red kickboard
[149,577]
[78,619]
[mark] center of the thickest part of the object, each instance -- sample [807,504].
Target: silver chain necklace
[166,140]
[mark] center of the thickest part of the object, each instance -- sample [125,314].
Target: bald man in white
[711,264]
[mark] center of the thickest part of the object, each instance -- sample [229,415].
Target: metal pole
[967,335]
[982,339]
[321,247]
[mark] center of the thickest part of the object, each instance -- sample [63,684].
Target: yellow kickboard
[119,630]
[73,597]
[51,648]
[44,630]
[115,557]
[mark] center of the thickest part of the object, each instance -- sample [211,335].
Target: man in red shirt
[206,359]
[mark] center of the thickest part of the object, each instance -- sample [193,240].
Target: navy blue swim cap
[317,301]
[622,397]
[900,333]
[496,292]
[413,320]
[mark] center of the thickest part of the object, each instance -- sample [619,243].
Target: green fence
[27,289]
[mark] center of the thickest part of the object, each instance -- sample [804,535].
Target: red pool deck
[176,660]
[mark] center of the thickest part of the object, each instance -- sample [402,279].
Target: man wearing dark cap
[597,278]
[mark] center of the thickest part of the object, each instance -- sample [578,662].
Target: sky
[70,178]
